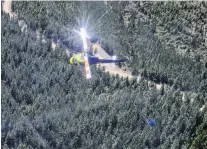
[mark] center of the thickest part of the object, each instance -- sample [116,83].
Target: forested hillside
[47,103]
[162,43]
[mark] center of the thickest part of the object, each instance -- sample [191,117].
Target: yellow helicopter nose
[71,60]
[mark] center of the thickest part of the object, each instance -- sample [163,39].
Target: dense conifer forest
[46,103]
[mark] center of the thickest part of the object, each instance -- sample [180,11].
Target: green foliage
[200,141]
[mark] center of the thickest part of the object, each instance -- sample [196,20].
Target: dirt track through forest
[100,52]
[113,70]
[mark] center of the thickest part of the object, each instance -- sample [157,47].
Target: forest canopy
[47,103]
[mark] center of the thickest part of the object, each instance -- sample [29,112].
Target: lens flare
[83,36]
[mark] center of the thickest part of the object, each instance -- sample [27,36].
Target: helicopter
[87,59]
